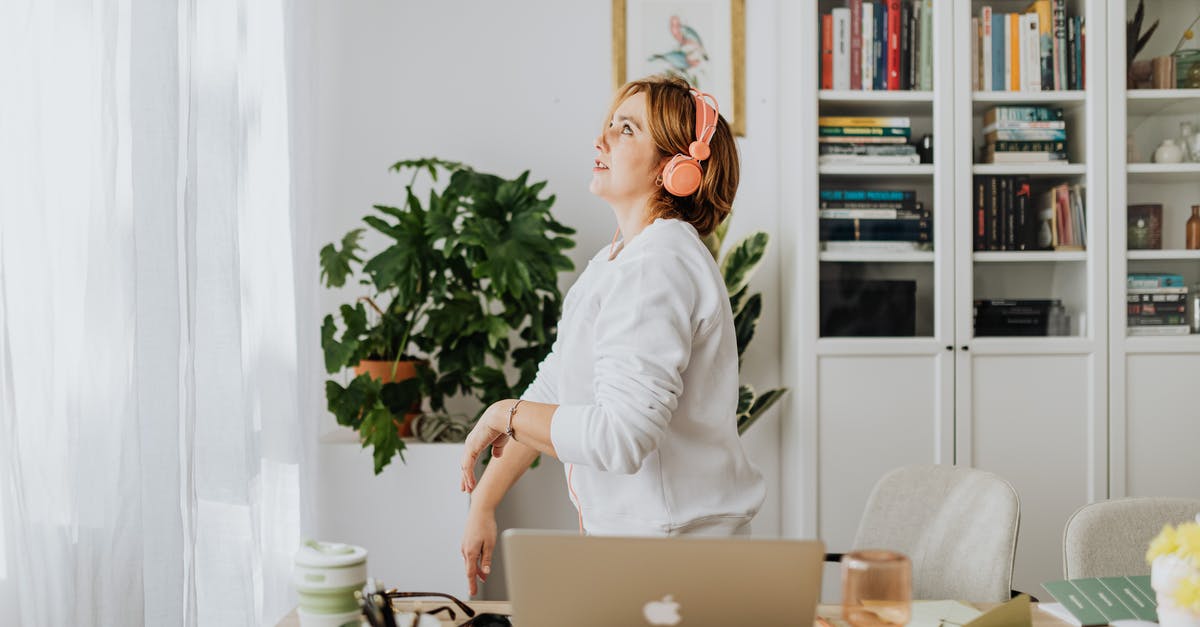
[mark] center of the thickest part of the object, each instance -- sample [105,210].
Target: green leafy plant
[737,267]
[466,285]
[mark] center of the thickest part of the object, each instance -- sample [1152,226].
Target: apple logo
[664,612]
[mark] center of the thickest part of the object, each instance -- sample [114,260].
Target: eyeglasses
[376,607]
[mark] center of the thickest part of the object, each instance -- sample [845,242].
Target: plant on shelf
[466,285]
[737,267]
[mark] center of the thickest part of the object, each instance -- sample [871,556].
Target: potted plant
[737,267]
[466,285]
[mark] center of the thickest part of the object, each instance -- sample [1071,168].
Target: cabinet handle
[964,347]
[949,348]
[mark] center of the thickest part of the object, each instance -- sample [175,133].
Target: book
[1058,11]
[1045,45]
[991,156]
[848,121]
[1156,331]
[1026,135]
[879,72]
[1028,146]
[869,160]
[894,205]
[856,44]
[1102,600]
[976,41]
[874,214]
[892,37]
[1024,125]
[827,51]
[918,230]
[863,131]
[851,148]
[868,46]
[1152,280]
[841,48]
[926,45]
[1144,226]
[876,247]
[1031,74]
[1022,114]
[985,48]
[867,194]
[862,139]
[999,45]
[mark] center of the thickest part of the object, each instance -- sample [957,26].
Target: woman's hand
[479,540]
[489,431]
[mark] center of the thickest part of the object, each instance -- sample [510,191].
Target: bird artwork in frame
[700,41]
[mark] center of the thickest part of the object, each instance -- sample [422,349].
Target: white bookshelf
[856,257]
[864,171]
[1151,399]
[1040,170]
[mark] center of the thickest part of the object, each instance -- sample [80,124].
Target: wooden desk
[1040,619]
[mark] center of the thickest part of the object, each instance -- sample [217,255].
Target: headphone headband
[706,116]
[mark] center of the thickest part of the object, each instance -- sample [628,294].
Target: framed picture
[702,41]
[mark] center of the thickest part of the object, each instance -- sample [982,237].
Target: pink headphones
[682,175]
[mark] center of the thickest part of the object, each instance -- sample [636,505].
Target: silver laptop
[557,579]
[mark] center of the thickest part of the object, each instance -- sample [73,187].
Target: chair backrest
[958,525]
[1110,538]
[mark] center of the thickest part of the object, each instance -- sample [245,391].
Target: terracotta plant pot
[382,370]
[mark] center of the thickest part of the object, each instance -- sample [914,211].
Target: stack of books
[879,45]
[1011,215]
[866,141]
[874,220]
[1021,317]
[1157,304]
[1024,134]
[1041,48]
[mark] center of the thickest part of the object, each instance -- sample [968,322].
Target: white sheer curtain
[151,445]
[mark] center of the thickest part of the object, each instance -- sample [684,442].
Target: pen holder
[326,576]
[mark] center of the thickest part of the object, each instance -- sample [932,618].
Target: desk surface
[1040,619]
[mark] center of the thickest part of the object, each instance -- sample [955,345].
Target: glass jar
[1193,308]
[1186,131]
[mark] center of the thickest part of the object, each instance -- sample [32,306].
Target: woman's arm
[531,426]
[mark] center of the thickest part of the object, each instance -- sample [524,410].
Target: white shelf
[1164,172]
[984,100]
[875,257]
[1030,169]
[876,170]
[1146,102]
[1020,256]
[1161,255]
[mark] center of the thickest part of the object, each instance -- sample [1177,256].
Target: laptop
[557,578]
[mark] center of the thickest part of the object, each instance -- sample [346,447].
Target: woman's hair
[671,113]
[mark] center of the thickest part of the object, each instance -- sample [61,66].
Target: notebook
[1102,600]
[559,579]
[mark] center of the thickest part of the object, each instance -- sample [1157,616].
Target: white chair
[1110,538]
[958,525]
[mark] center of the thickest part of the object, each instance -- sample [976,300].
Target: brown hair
[671,118]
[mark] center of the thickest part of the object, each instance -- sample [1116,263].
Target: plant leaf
[742,260]
[745,322]
[758,408]
[335,264]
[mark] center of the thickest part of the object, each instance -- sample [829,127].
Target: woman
[638,396]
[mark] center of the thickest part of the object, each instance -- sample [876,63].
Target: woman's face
[627,163]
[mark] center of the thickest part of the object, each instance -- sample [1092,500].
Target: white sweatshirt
[645,373]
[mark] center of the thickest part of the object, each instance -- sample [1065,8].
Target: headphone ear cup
[682,176]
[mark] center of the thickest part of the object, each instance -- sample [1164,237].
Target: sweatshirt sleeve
[643,341]
[544,388]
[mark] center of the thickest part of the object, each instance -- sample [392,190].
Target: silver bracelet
[512,412]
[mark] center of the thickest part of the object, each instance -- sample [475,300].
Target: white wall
[504,86]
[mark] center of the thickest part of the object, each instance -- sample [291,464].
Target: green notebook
[1099,601]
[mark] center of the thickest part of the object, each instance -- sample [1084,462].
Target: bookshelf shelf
[984,100]
[924,170]
[1164,172]
[1164,344]
[1021,256]
[1162,255]
[854,257]
[1146,102]
[1038,170]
